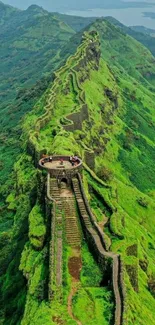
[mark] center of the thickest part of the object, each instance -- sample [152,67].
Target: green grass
[120,101]
[37,229]
[91,274]
[93,306]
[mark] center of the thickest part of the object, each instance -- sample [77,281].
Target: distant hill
[143,30]
[150,15]
[77,23]
[6,12]
[61,5]
[141,34]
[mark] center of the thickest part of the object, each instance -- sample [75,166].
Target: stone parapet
[64,172]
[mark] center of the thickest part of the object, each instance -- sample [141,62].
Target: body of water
[128,17]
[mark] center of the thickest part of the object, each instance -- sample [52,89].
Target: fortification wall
[77,119]
[86,58]
[62,173]
[52,206]
[105,259]
[90,159]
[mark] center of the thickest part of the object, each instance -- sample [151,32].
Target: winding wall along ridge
[96,239]
[88,51]
[96,236]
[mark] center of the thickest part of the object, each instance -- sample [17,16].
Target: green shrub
[37,229]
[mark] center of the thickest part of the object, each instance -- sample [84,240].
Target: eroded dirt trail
[74,266]
[73,237]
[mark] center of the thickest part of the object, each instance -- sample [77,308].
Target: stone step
[73,232]
[73,242]
[74,228]
[82,209]
[74,237]
[71,226]
[71,220]
[70,211]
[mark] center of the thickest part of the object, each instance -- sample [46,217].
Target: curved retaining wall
[63,173]
[51,245]
[103,255]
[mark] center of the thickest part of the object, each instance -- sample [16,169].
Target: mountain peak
[36,8]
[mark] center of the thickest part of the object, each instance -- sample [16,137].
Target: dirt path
[75,261]
[74,266]
[70,311]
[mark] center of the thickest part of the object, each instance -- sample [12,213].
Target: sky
[118,9]
[62,5]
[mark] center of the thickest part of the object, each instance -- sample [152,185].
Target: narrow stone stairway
[81,204]
[73,238]
[57,234]
[73,234]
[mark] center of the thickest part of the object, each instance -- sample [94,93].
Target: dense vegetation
[119,92]
[27,60]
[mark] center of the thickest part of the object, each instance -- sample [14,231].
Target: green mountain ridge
[112,76]
[141,34]
[28,58]
[6,12]
[59,5]
[143,30]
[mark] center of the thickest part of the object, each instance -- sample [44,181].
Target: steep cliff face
[101,107]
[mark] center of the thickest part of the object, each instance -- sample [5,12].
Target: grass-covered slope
[28,54]
[120,130]
[109,84]
[31,41]
[140,33]
[33,44]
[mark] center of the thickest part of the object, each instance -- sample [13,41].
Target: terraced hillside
[101,107]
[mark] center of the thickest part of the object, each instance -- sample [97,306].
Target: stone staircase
[57,232]
[73,234]
[80,202]
[65,205]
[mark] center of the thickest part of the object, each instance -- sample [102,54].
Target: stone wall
[51,206]
[77,119]
[107,260]
[63,173]
[89,157]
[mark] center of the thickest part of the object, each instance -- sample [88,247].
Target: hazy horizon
[58,5]
[122,11]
